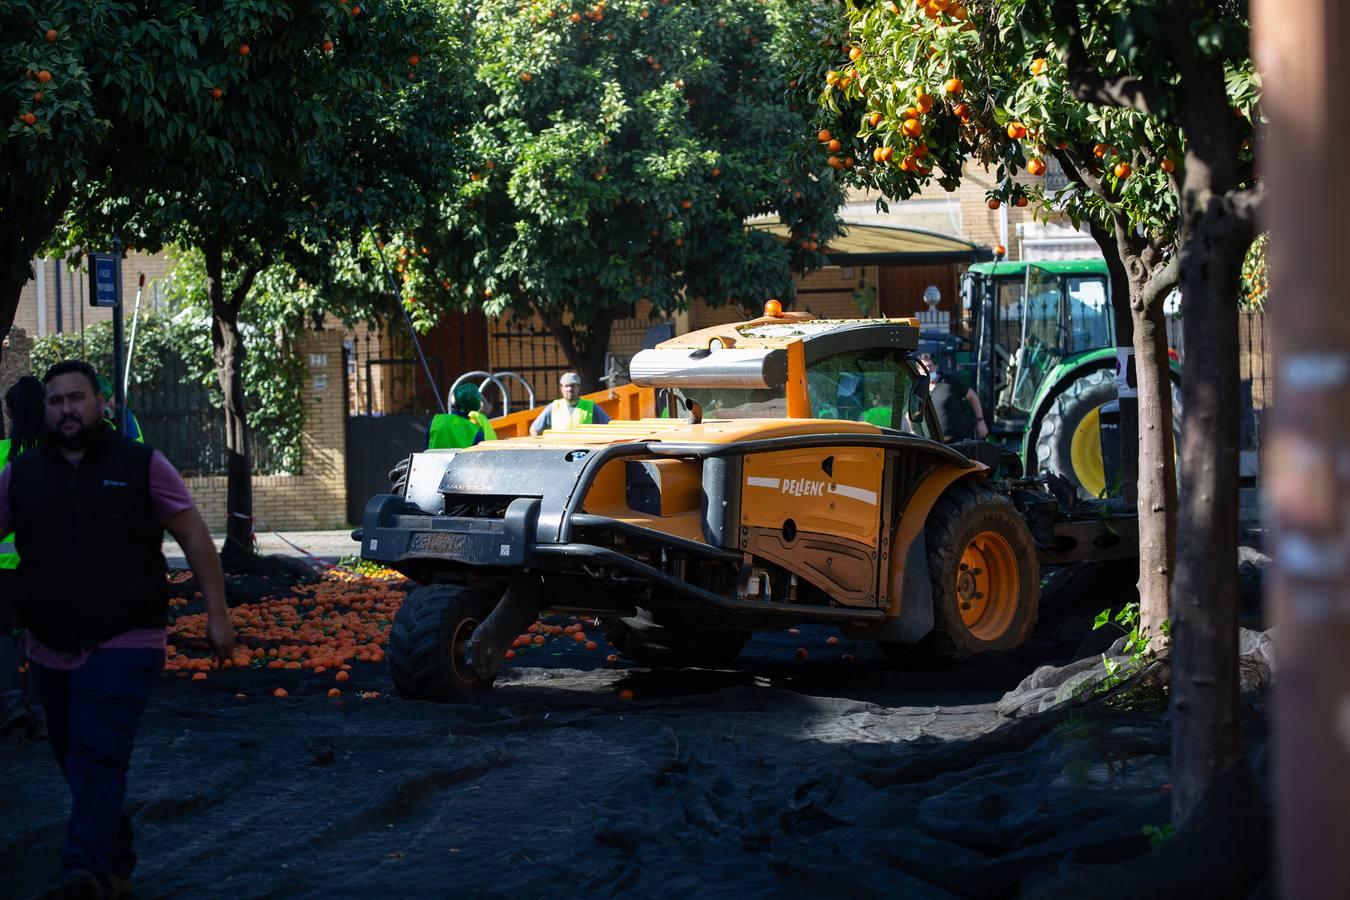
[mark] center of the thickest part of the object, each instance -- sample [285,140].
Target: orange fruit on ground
[280,692]
[832,640]
[612,658]
[993,203]
[538,640]
[1123,170]
[592,645]
[509,654]
[847,657]
[342,676]
[626,694]
[912,128]
[334,693]
[198,676]
[1017,131]
[1036,166]
[954,86]
[801,653]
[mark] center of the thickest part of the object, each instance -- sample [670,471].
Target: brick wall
[75,308]
[317,497]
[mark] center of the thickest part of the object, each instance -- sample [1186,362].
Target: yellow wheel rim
[988,585]
[1085,453]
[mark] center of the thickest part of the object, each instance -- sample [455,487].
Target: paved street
[329,546]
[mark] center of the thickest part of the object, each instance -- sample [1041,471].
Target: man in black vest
[89,509]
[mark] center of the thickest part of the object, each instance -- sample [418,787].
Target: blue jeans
[92,713]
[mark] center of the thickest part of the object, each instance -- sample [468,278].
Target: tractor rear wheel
[986,578]
[426,644]
[651,643]
[1069,442]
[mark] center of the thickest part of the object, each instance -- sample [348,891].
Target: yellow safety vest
[484,423]
[563,415]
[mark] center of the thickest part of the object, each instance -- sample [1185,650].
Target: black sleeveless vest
[91,565]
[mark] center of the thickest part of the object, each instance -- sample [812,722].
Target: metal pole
[131,345]
[1300,47]
[393,285]
[119,395]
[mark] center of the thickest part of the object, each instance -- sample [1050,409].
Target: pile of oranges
[342,619]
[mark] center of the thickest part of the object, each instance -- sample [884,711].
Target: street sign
[105,288]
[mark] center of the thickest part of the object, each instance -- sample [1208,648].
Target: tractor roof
[821,337]
[754,354]
[1019,267]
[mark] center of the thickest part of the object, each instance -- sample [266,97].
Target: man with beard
[89,509]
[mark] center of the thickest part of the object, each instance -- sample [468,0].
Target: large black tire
[649,643]
[986,578]
[426,644]
[1054,440]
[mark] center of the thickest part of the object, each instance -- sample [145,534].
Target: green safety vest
[878,415]
[451,432]
[9,556]
[482,422]
[565,415]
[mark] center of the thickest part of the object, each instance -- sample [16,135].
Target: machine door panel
[831,491]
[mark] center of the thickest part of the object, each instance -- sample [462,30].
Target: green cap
[467,399]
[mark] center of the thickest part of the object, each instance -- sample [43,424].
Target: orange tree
[249,133]
[619,149]
[49,121]
[1148,107]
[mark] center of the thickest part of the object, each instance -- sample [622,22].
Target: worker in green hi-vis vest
[24,404]
[110,412]
[570,410]
[457,429]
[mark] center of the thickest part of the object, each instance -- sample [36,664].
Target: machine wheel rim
[988,585]
[1085,452]
[463,631]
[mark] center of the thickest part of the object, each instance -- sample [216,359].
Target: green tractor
[1041,356]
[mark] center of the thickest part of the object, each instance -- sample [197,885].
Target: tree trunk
[1204,592]
[228,347]
[585,350]
[1124,322]
[1306,480]
[1157,488]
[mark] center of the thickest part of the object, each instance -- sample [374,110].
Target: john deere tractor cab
[1042,359]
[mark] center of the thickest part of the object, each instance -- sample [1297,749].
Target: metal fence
[1255,366]
[182,420]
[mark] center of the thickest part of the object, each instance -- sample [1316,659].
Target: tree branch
[1160,283]
[1088,85]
